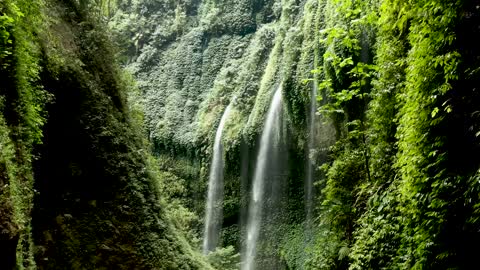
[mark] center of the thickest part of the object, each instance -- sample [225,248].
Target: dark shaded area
[8,250]
[95,197]
[97,205]
[460,233]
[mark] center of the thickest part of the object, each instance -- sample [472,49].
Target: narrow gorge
[239,134]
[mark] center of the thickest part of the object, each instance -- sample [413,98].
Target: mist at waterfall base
[267,190]
[214,207]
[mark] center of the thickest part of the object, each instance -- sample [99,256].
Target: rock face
[191,58]
[71,149]
[392,77]
[398,101]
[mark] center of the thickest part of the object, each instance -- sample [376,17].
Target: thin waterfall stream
[214,207]
[270,137]
[310,169]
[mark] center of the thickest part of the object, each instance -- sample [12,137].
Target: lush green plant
[224,258]
[22,100]
[99,195]
[400,193]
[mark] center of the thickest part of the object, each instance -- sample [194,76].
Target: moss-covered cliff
[193,58]
[214,52]
[77,181]
[392,144]
[392,77]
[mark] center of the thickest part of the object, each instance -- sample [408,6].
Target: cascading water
[214,209]
[311,144]
[270,137]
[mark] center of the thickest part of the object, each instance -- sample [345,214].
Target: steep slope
[192,57]
[98,202]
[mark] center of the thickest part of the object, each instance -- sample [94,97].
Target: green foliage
[188,77]
[126,211]
[409,187]
[423,158]
[346,42]
[6,22]
[396,80]
[378,236]
[21,119]
[99,195]
[392,189]
[224,258]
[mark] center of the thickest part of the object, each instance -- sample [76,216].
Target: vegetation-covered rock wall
[234,51]
[395,147]
[397,122]
[78,187]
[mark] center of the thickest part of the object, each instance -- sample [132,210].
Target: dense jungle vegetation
[109,111]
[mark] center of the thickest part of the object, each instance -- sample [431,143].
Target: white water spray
[269,137]
[214,208]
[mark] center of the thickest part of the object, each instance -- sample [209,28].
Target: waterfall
[270,137]
[214,208]
[311,145]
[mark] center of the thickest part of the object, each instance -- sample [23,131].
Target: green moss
[21,106]
[100,200]
[392,78]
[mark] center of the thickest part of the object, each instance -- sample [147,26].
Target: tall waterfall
[311,145]
[270,137]
[214,209]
